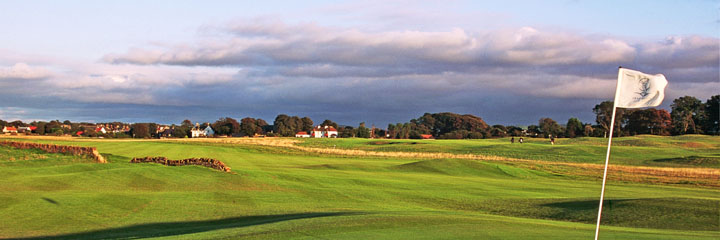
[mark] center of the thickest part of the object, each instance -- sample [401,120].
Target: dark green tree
[40,128]
[574,128]
[152,128]
[264,126]
[648,121]
[603,112]
[181,131]
[497,131]
[687,114]
[549,127]
[248,126]
[226,126]
[287,126]
[307,124]
[440,123]
[514,131]
[346,132]
[140,130]
[362,131]
[711,125]
[186,123]
[328,122]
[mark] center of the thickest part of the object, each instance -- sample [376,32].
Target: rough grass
[283,192]
[637,150]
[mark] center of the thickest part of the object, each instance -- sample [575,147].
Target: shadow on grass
[659,213]
[691,161]
[50,200]
[180,228]
[115,158]
[584,205]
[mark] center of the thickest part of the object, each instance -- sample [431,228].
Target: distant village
[688,116]
[224,127]
[102,130]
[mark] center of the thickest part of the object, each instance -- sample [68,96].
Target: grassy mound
[464,167]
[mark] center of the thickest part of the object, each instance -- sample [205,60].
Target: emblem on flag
[637,89]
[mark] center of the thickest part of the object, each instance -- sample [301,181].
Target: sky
[378,62]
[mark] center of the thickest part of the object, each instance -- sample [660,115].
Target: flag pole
[607,156]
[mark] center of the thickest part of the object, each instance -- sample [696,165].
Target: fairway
[281,191]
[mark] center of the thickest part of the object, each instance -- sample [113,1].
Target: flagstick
[607,156]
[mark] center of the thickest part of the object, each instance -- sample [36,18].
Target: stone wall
[207,162]
[52,148]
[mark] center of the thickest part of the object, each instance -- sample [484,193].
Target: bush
[475,135]
[58,132]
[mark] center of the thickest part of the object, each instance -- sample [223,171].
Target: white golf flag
[637,90]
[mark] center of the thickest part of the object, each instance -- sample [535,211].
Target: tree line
[688,115]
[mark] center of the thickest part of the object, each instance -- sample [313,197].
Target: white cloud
[305,66]
[682,52]
[23,71]
[279,44]
[309,50]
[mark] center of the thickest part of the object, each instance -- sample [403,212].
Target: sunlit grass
[282,192]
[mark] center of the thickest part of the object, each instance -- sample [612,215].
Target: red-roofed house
[324,132]
[426,136]
[9,129]
[24,129]
[100,129]
[302,135]
[79,133]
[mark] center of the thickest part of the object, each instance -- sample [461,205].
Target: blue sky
[379,62]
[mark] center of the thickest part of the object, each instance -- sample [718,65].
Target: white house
[26,129]
[324,132]
[208,131]
[8,129]
[198,132]
[100,129]
[302,135]
[195,131]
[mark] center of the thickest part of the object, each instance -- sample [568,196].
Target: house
[26,129]
[161,128]
[197,131]
[426,136]
[324,132]
[167,133]
[100,129]
[9,129]
[209,132]
[302,135]
[119,128]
